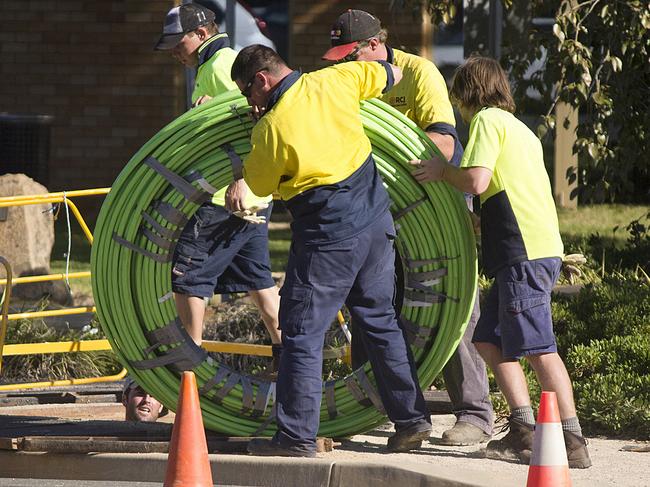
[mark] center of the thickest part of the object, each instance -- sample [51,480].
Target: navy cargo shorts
[220,253]
[516,314]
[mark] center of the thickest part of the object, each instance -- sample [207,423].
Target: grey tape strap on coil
[415,263]
[330,398]
[168,233]
[154,238]
[423,298]
[190,193]
[181,358]
[162,258]
[247,401]
[265,391]
[422,280]
[369,390]
[197,177]
[235,161]
[399,214]
[170,213]
[165,297]
[221,373]
[356,391]
[233,380]
[170,334]
[417,335]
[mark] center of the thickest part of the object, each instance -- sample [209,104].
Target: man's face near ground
[140,406]
[186,51]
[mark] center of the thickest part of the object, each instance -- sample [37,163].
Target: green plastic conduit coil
[129,287]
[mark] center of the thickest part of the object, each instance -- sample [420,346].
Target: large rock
[27,237]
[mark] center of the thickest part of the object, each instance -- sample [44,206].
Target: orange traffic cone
[188,464]
[548,464]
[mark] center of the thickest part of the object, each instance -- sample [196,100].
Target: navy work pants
[359,272]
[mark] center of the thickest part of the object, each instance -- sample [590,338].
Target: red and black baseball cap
[350,28]
[181,20]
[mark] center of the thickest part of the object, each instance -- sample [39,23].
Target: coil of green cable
[129,287]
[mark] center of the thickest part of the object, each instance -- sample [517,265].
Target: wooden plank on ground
[110,444]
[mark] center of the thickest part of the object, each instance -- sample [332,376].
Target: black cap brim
[167,42]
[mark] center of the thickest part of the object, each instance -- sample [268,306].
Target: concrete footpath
[357,462]
[246,470]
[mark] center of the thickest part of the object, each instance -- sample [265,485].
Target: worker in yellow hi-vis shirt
[422,96]
[223,249]
[309,145]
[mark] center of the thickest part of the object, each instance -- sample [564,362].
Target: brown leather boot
[576,450]
[515,446]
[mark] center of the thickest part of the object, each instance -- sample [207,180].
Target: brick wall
[310,24]
[90,64]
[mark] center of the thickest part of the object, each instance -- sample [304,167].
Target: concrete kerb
[238,470]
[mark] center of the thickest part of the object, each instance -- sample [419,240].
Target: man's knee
[543,360]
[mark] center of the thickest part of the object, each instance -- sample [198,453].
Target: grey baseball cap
[181,20]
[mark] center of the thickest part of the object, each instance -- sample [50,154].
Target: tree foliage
[596,58]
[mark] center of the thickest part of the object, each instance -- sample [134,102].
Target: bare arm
[444,142]
[474,180]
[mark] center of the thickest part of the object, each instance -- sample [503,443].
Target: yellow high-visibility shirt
[213,74]
[518,217]
[421,95]
[313,135]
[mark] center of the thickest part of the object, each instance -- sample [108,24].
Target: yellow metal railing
[91,345]
[9,281]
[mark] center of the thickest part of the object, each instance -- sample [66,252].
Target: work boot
[576,450]
[409,438]
[464,434]
[263,447]
[516,445]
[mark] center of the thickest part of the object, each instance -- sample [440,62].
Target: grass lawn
[601,219]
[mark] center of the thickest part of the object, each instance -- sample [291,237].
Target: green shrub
[618,306]
[614,403]
[603,336]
